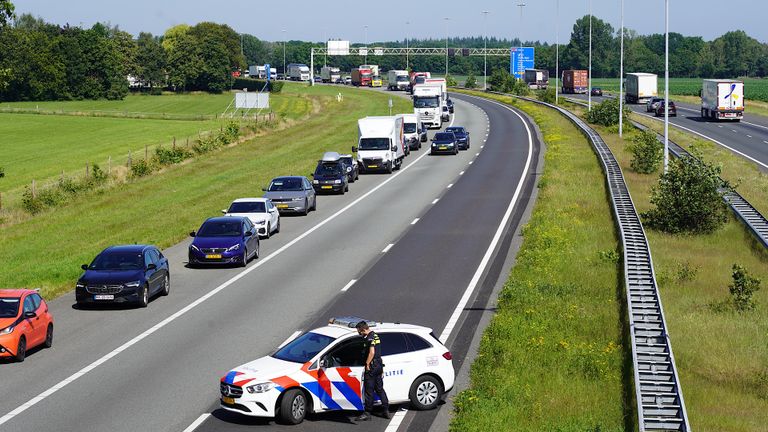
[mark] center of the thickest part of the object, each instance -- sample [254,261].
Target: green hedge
[257,85]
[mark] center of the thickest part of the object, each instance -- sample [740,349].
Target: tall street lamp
[366,43]
[589,105]
[446,46]
[557,53]
[485,51]
[285,73]
[407,29]
[621,76]
[666,85]
[521,5]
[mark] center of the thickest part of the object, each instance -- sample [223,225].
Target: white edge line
[461,173]
[499,231]
[386,249]
[450,186]
[195,424]
[348,285]
[415,221]
[397,419]
[6,418]
[435,201]
[470,163]
[711,139]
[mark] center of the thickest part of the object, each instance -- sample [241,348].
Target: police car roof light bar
[350,321]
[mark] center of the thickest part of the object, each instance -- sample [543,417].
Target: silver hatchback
[292,194]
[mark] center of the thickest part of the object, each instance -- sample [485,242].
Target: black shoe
[363,417]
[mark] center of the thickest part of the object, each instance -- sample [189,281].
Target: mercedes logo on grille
[226,391]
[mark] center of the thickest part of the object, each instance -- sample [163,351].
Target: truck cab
[427,104]
[381,143]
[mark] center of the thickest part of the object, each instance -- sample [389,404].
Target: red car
[660,109]
[25,323]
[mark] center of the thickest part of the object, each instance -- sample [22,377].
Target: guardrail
[660,404]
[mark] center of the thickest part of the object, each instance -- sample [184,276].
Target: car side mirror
[29,314]
[84,266]
[248,234]
[323,363]
[192,234]
[224,211]
[394,148]
[151,267]
[354,149]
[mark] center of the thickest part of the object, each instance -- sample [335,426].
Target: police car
[322,370]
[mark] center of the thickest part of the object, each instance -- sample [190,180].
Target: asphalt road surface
[747,138]
[448,219]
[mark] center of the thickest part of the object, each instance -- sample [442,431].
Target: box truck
[373,68]
[426,104]
[537,78]
[397,80]
[575,81]
[380,144]
[722,99]
[330,74]
[298,72]
[640,87]
[361,77]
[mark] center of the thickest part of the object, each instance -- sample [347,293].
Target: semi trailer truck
[575,81]
[722,99]
[397,80]
[640,87]
[330,74]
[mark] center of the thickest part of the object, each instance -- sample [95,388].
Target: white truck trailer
[298,72]
[381,143]
[722,99]
[427,105]
[640,87]
[398,80]
[330,74]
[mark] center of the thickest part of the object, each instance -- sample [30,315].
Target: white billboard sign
[247,100]
[378,51]
[338,47]
[363,51]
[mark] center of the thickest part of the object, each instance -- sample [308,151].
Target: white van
[381,143]
[411,131]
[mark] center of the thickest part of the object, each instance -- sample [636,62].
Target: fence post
[187,143]
[129,159]
[174,143]
[1,200]
[109,166]
[86,171]
[146,152]
[34,192]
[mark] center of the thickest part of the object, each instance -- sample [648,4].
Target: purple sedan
[224,240]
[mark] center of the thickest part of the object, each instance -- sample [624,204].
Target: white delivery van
[411,131]
[427,104]
[641,87]
[381,143]
[398,80]
[722,99]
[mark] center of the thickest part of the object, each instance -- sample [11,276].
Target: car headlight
[337,181]
[195,247]
[260,222]
[133,284]
[233,248]
[7,330]
[260,388]
[349,169]
[315,181]
[79,285]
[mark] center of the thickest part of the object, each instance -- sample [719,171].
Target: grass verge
[46,251]
[554,356]
[721,355]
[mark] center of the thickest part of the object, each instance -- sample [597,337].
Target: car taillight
[447,355]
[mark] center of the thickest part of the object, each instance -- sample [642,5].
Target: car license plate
[228,400]
[213,256]
[443,148]
[104,297]
[373,166]
[282,206]
[326,187]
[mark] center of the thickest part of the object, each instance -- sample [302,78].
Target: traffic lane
[274,300]
[422,277]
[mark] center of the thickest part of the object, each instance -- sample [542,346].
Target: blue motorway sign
[267,69]
[521,58]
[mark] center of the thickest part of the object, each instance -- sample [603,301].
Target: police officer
[374,372]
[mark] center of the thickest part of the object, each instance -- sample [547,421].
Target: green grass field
[554,357]
[721,355]
[46,250]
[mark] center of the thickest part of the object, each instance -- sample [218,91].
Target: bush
[171,156]
[141,168]
[546,95]
[471,82]
[498,80]
[688,198]
[743,288]
[647,152]
[607,113]
[450,81]
[98,176]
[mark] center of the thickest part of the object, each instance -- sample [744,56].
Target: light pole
[589,105]
[666,85]
[521,5]
[446,46]
[325,41]
[366,43]
[285,73]
[621,76]
[557,53]
[407,28]
[485,51]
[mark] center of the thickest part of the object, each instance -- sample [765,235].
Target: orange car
[24,323]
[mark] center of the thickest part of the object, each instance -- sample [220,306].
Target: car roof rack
[350,321]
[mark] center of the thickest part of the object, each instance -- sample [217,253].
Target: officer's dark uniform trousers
[374,378]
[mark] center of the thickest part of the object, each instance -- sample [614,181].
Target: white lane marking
[195,424]
[734,130]
[461,173]
[749,136]
[290,338]
[754,124]
[470,163]
[397,418]
[348,285]
[765,141]
[482,146]
[499,231]
[477,154]
[450,186]
[719,126]
[386,249]
[435,201]
[716,142]
[415,221]
[35,400]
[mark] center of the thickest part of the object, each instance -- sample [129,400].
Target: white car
[322,370]
[261,211]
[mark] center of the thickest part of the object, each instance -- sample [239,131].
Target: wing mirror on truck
[394,148]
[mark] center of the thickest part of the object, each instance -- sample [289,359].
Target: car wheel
[346,188]
[144,296]
[166,286]
[390,167]
[244,258]
[258,250]
[306,207]
[269,231]
[293,407]
[314,204]
[21,350]
[277,228]
[357,174]
[48,337]
[425,392]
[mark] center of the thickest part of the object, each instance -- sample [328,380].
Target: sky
[386,19]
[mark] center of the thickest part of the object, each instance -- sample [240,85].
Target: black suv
[331,174]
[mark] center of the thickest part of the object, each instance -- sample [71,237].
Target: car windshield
[410,127]
[9,307]
[220,229]
[420,79]
[285,184]
[117,261]
[328,169]
[426,102]
[248,207]
[347,160]
[374,144]
[303,348]
[401,78]
[444,136]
